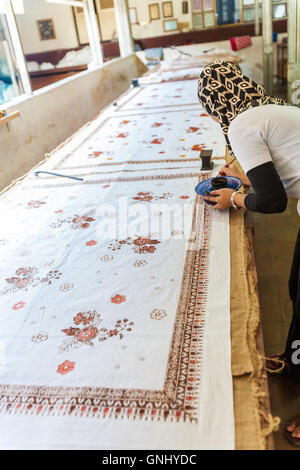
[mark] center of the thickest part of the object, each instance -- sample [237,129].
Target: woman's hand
[231,170]
[221,197]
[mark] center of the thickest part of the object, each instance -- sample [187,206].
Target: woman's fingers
[224,171]
[209,198]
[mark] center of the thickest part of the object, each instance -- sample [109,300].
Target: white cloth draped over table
[119,340]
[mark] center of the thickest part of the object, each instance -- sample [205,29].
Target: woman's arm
[269,194]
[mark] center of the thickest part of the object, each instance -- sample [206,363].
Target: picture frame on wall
[133,15]
[170,25]
[46,29]
[104,4]
[154,12]
[185,7]
[167,8]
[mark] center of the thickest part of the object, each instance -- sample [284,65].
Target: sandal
[289,434]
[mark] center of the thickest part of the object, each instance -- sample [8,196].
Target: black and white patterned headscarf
[224,92]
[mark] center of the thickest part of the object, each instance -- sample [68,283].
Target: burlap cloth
[253,421]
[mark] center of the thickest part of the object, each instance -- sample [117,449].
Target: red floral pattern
[192,129]
[89,322]
[35,204]
[25,277]
[120,327]
[157,141]
[147,197]
[77,221]
[139,245]
[19,305]
[118,299]
[198,147]
[65,367]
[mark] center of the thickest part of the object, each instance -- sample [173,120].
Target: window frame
[93,35]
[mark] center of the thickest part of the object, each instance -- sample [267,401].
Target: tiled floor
[274,239]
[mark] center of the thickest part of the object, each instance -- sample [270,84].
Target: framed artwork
[106,4]
[170,25]
[167,9]
[46,29]
[154,11]
[185,7]
[133,16]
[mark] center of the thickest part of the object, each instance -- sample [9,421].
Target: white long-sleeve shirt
[269,133]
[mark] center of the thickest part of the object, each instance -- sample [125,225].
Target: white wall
[63,20]
[155,27]
[55,112]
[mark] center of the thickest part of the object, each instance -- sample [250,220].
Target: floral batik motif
[29,277]
[157,314]
[77,221]
[35,204]
[140,245]
[40,337]
[149,196]
[87,330]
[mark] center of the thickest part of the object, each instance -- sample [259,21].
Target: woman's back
[269,133]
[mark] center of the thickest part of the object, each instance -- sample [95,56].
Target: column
[268,45]
[124,28]
[256,18]
[93,33]
[294,52]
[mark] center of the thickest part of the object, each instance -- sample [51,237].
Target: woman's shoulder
[243,122]
[262,118]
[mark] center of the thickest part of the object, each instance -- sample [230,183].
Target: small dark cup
[218,183]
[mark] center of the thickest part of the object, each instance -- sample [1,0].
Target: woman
[263,134]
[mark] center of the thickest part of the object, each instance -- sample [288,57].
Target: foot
[294,428]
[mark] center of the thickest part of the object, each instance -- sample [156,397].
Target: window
[249,11]
[211,13]
[54,47]
[203,14]
[39,44]
[227,11]
[279,10]
[10,82]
